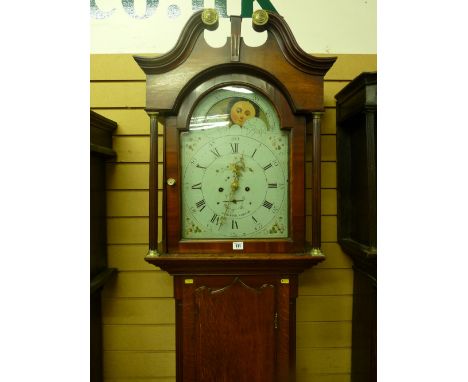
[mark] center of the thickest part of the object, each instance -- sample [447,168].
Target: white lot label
[238,245]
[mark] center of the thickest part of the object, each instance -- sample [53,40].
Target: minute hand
[233,200]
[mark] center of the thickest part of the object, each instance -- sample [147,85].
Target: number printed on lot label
[238,245]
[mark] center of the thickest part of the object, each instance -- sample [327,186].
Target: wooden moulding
[101,135]
[280,60]
[358,96]
[185,47]
[184,264]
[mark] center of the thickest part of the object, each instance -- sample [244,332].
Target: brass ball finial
[210,16]
[260,17]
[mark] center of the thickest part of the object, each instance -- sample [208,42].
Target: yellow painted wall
[138,308]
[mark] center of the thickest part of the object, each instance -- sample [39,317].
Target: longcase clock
[233,231]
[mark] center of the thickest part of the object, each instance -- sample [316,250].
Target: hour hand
[235,184]
[238,167]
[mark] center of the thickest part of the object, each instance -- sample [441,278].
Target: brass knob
[210,16]
[260,17]
[171,181]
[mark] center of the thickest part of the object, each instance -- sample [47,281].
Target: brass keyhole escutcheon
[171,181]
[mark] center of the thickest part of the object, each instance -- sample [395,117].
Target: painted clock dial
[235,168]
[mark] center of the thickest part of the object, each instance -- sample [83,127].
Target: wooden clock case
[235,310]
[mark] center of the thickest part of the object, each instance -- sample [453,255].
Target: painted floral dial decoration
[235,168]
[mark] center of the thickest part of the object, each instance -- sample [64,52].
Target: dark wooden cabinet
[356,108]
[364,333]
[356,117]
[235,287]
[101,150]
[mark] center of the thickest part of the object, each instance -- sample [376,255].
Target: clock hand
[233,200]
[237,168]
